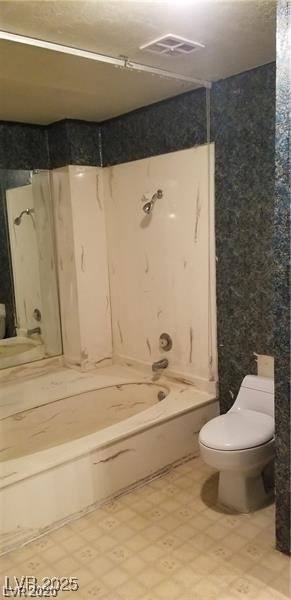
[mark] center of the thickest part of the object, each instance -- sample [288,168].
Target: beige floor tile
[165,540]
[150,577]
[167,590]
[115,578]
[93,590]
[131,590]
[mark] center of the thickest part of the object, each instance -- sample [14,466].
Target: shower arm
[26,211]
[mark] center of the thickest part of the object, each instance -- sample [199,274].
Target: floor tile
[166,540]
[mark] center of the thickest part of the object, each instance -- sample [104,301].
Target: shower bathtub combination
[71,441]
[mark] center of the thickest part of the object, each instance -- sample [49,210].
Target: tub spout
[35,330]
[160,364]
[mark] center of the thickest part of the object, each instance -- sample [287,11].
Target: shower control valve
[166,342]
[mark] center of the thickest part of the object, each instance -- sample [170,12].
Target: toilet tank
[256,393]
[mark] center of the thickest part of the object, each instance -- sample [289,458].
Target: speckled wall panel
[59,147]
[243,113]
[74,142]
[8,179]
[23,146]
[85,143]
[174,124]
[282,282]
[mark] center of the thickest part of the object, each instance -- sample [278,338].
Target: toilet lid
[237,430]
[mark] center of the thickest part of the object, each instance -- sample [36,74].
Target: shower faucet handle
[166,342]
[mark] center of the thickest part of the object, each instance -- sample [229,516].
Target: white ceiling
[42,86]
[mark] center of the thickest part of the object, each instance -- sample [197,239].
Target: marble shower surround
[243,127]
[281,241]
[8,179]
[82,265]
[159,264]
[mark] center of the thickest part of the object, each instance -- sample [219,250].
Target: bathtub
[70,441]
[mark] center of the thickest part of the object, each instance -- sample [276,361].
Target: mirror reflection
[29,309]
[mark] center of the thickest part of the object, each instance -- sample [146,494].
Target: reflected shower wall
[37,332]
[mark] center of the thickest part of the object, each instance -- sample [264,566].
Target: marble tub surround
[281,246]
[8,179]
[103,462]
[161,264]
[33,266]
[45,237]
[24,256]
[82,265]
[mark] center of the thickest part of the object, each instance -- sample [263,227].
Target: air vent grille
[171,45]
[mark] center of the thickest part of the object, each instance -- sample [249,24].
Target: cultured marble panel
[66,266]
[8,179]
[24,255]
[91,262]
[162,276]
[50,321]
[83,266]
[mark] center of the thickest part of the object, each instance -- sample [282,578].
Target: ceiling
[42,86]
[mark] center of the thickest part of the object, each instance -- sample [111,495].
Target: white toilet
[2,321]
[240,444]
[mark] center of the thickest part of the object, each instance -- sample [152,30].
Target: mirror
[29,308]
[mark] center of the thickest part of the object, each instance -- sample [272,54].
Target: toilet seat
[238,430]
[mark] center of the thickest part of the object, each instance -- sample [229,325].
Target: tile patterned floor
[166,540]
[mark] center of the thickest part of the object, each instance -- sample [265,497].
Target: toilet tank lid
[2,310]
[255,382]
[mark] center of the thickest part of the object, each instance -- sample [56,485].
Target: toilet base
[243,491]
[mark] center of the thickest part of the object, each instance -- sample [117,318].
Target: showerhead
[27,211]
[148,207]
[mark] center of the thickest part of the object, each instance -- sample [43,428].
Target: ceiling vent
[171,45]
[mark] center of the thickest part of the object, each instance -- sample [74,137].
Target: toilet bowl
[240,444]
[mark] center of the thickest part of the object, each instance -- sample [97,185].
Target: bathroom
[144,308]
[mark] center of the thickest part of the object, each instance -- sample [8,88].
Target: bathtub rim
[67,452]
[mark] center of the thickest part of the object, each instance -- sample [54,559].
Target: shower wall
[82,265]
[24,255]
[159,263]
[8,179]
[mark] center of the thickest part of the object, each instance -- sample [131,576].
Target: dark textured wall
[243,109]
[8,179]
[282,282]
[243,128]
[167,126]
[74,143]
[23,146]
[243,121]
